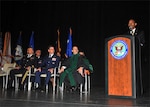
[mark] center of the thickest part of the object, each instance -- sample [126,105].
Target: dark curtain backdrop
[91,23]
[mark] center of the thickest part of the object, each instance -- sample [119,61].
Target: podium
[123,66]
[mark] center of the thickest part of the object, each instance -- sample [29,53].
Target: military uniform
[39,61]
[28,60]
[48,63]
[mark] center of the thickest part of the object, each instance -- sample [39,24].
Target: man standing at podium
[139,34]
[135,31]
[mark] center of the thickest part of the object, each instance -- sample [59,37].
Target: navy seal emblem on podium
[119,49]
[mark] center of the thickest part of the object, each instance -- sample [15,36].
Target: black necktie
[131,32]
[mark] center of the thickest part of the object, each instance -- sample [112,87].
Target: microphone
[130,27]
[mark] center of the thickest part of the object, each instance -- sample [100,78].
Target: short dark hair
[133,20]
[30,47]
[37,50]
[51,46]
[75,46]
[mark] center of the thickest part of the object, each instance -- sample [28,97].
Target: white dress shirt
[132,32]
[51,55]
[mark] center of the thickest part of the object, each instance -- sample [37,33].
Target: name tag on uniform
[40,62]
[53,59]
[31,58]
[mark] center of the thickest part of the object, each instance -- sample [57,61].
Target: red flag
[6,55]
[1,48]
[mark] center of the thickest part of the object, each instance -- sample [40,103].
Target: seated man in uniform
[49,63]
[73,69]
[27,62]
[39,61]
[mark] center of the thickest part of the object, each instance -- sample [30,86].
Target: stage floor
[96,98]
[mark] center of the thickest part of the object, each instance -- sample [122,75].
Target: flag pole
[20,32]
[58,43]
[70,31]
[59,48]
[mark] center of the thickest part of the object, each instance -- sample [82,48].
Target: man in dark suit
[27,62]
[140,41]
[134,31]
[49,63]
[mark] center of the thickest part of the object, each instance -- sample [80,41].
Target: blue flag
[19,41]
[18,50]
[31,43]
[69,44]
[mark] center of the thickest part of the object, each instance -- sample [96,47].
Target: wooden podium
[122,64]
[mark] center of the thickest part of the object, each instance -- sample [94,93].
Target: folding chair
[5,73]
[87,84]
[54,75]
[17,81]
[29,75]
